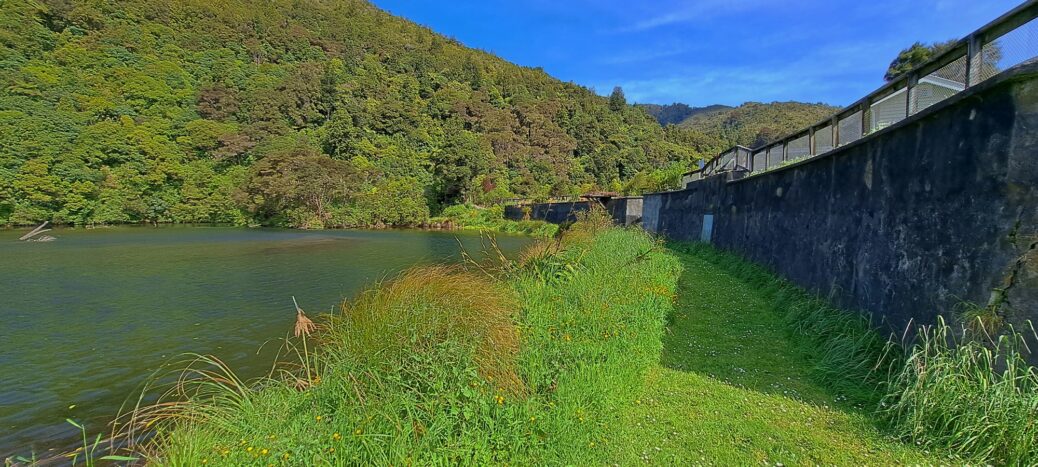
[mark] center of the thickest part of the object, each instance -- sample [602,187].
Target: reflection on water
[87,317]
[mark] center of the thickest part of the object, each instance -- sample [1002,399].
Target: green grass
[757,370]
[445,366]
[978,398]
[737,384]
[603,347]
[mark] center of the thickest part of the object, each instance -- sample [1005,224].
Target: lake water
[86,318]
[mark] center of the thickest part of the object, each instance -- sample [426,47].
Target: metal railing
[1007,41]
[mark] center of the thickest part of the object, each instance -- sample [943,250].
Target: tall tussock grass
[522,363]
[421,310]
[958,389]
[976,397]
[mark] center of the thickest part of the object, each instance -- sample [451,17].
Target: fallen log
[36,231]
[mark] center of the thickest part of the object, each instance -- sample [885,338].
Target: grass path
[733,387]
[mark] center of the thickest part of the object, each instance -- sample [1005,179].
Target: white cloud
[695,10]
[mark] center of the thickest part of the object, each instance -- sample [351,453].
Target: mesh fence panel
[850,128]
[800,147]
[823,140]
[888,110]
[727,161]
[742,158]
[775,155]
[939,85]
[760,160]
[1012,48]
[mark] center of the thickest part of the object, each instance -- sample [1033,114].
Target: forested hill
[672,114]
[289,112]
[754,124]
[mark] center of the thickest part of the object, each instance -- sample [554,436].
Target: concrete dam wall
[624,210]
[912,221]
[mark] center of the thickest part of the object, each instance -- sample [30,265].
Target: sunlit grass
[585,351]
[965,392]
[444,365]
[739,384]
[976,397]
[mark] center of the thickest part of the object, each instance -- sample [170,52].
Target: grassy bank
[601,347]
[975,401]
[738,385]
[524,362]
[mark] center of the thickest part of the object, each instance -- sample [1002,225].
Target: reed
[977,397]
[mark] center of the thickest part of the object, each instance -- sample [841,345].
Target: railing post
[913,79]
[974,59]
[785,150]
[811,151]
[865,125]
[836,130]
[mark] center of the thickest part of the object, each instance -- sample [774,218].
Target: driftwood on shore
[38,230]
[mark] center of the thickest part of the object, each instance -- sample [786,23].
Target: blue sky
[704,52]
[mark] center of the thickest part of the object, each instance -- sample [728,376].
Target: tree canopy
[289,112]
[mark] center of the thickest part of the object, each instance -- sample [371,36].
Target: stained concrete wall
[624,210]
[555,213]
[910,222]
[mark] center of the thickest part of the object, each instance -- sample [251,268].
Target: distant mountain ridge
[715,128]
[673,114]
[755,124]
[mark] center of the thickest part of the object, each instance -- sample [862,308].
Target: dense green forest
[305,113]
[673,114]
[754,124]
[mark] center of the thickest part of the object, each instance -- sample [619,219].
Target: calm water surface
[86,318]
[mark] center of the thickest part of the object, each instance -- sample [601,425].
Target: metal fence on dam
[1010,40]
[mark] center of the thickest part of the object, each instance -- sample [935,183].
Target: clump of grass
[443,366]
[977,398]
[424,308]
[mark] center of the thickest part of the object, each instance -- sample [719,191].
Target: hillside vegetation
[673,114]
[754,124]
[302,113]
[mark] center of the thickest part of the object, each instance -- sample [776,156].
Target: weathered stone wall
[625,211]
[916,220]
[555,213]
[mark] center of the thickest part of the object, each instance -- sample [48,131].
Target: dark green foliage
[913,56]
[142,111]
[673,114]
[617,100]
[919,53]
[754,124]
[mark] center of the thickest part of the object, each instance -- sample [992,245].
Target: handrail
[883,107]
